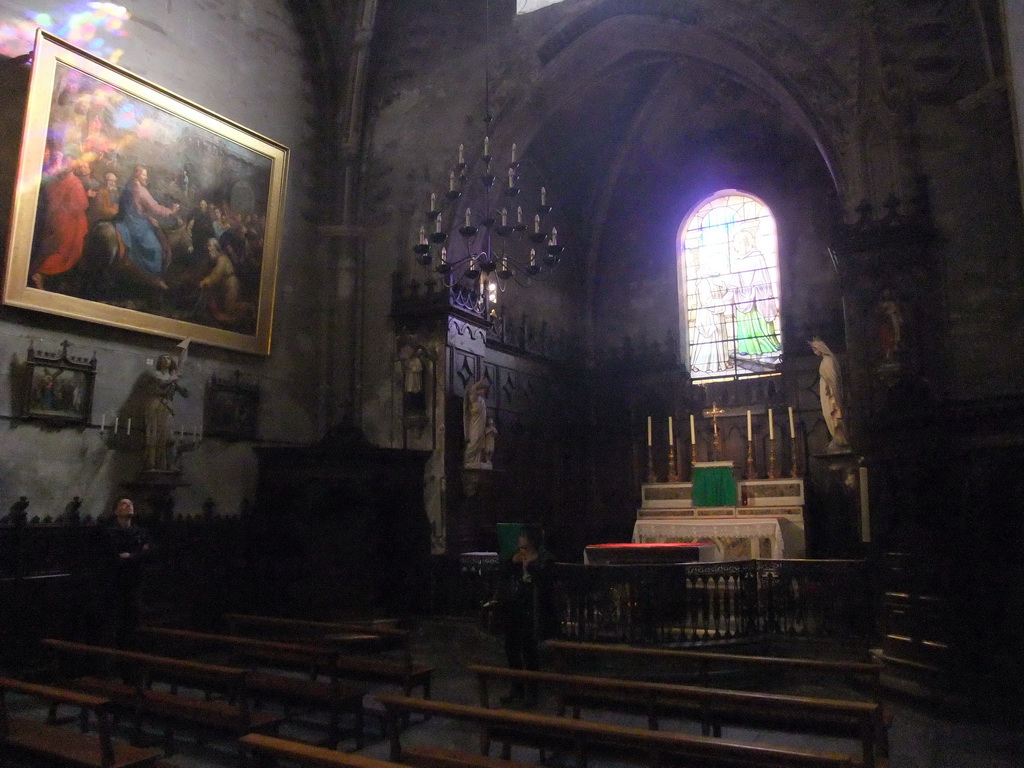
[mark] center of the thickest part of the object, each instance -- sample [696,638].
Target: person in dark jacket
[526,604]
[127,546]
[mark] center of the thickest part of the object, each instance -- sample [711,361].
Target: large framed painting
[135,208]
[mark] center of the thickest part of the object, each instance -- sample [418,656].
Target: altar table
[630,554]
[734,539]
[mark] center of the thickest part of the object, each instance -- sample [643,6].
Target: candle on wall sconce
[671,437]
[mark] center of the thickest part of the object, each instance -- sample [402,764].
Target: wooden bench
[365,637]
[230,715]
[54,744]
[568,655]
[332,696]
[259,748]
[710,706]
[404,673]
[583,739]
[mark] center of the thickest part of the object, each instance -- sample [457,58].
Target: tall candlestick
[693,432]
[771,426]
[792,432]
[648,431]
[750,433]
[671,438]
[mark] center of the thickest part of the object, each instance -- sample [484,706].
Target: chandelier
[482,225]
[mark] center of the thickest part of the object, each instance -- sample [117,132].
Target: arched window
[729,288]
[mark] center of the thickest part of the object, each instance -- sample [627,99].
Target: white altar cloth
[734,539]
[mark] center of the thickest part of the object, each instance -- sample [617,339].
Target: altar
[745,519]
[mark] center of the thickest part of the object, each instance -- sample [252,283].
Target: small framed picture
[58,387]
[232,408]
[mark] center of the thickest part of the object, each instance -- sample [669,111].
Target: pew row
[585,740]
[568,655]
[229,715]
[260,749]
[52,744]
[711,707]
[333,697]
[405,674]
[367,637]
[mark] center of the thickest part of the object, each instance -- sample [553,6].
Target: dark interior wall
[247,63]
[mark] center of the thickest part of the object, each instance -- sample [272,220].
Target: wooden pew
[53,744]
[710,706]
[568,655]
[365,637]
[258,747]
[585,740]
[141,701]
[332,696]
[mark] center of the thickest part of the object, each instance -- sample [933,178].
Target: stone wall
[244,61]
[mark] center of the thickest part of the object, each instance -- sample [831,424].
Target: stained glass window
[729,260]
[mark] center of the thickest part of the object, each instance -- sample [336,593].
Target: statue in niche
[474,416]
[490,436]
[890,325]
[830,390]
[414,396]
[163,385]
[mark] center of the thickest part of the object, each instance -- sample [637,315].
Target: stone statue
[163,386]
[830,390]
[490,436]
[474,416]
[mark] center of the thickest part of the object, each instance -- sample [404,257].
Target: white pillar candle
[129,430]
[648,431]
[103,423]
[671,438]
[750,432]
[117,421]
[693,432]
[792,432]
[771,426]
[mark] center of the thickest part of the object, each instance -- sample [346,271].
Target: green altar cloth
[713,484]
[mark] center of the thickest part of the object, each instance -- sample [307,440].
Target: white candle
[536,223]
[129,430]
[462,157]
[433,201]
[771,426]
[467,217]
[671,437]
[792,432]
[513,152]
[554,236]
[693,432]
[750,433]
[487,146]
[543,196]
[648,431]
[451,181]
[117,420]
[103,423]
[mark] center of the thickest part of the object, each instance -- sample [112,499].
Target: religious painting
[58,387]
[137,209]
[232,408]
[728,255]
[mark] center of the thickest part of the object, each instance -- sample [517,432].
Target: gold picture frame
[121,188]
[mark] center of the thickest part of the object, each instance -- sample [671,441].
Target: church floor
[919,738]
